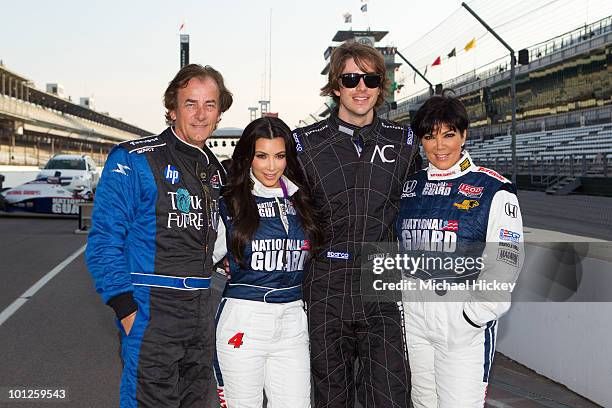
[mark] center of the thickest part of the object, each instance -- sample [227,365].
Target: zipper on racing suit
[208,203]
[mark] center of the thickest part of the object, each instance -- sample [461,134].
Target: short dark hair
[440,110]
[187,73]
[362,54]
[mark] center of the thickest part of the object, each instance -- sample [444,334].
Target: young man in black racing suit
[355,164]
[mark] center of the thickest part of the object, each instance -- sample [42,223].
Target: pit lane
[63,337]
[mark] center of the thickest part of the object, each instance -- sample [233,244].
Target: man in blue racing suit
[150,247]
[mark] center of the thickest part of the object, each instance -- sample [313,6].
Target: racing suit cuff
[123,304]
[467,319]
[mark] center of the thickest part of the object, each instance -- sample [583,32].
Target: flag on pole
[348,18]
[453,53]
[364,7]
[470,44]
[438,61]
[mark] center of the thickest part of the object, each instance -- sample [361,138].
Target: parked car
[66,181]
[80,170]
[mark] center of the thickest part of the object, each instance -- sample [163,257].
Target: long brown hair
[240,201]
[362,55]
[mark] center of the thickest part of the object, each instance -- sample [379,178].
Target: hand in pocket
[127,322]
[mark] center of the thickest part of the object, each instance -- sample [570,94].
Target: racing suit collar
[463,166]
[188,148]
[267,192]
[366,132]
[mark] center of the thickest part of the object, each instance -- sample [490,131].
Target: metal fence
[550,169]
[34,156]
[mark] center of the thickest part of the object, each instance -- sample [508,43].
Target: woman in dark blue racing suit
[262,333]
[448,210]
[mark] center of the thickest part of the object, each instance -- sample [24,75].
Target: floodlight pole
[431,89]
[512,87]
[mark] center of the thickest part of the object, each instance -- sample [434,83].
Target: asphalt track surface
[63,338]
[573,214]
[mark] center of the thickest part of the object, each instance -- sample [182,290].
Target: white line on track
[21,300]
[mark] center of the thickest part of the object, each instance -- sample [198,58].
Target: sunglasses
[351,80]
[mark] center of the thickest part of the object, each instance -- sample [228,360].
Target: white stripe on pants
[449,359]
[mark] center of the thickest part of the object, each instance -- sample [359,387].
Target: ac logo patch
[381,154]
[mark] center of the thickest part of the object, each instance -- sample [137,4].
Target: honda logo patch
[409,187]
[511,210]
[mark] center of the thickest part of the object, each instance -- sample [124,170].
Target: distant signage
[365,40]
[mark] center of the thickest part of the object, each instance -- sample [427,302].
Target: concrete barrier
[85,213]
[565,333]
[16,175]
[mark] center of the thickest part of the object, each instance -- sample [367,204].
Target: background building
[36,124]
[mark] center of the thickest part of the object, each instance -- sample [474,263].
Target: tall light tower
[253,113]
[184,47]
[264,107]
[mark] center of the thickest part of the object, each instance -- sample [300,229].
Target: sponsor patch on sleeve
[298,143]
[409,136]
[121,169]
[508,256]
[511,210]
[507,235]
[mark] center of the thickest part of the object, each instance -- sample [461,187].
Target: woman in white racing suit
[269,226]
[469,218]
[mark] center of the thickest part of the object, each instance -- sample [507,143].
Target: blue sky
[123,53]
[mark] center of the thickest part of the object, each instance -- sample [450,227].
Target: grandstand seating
[83,128]
[591,144]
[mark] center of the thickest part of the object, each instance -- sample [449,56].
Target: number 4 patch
[236,340]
